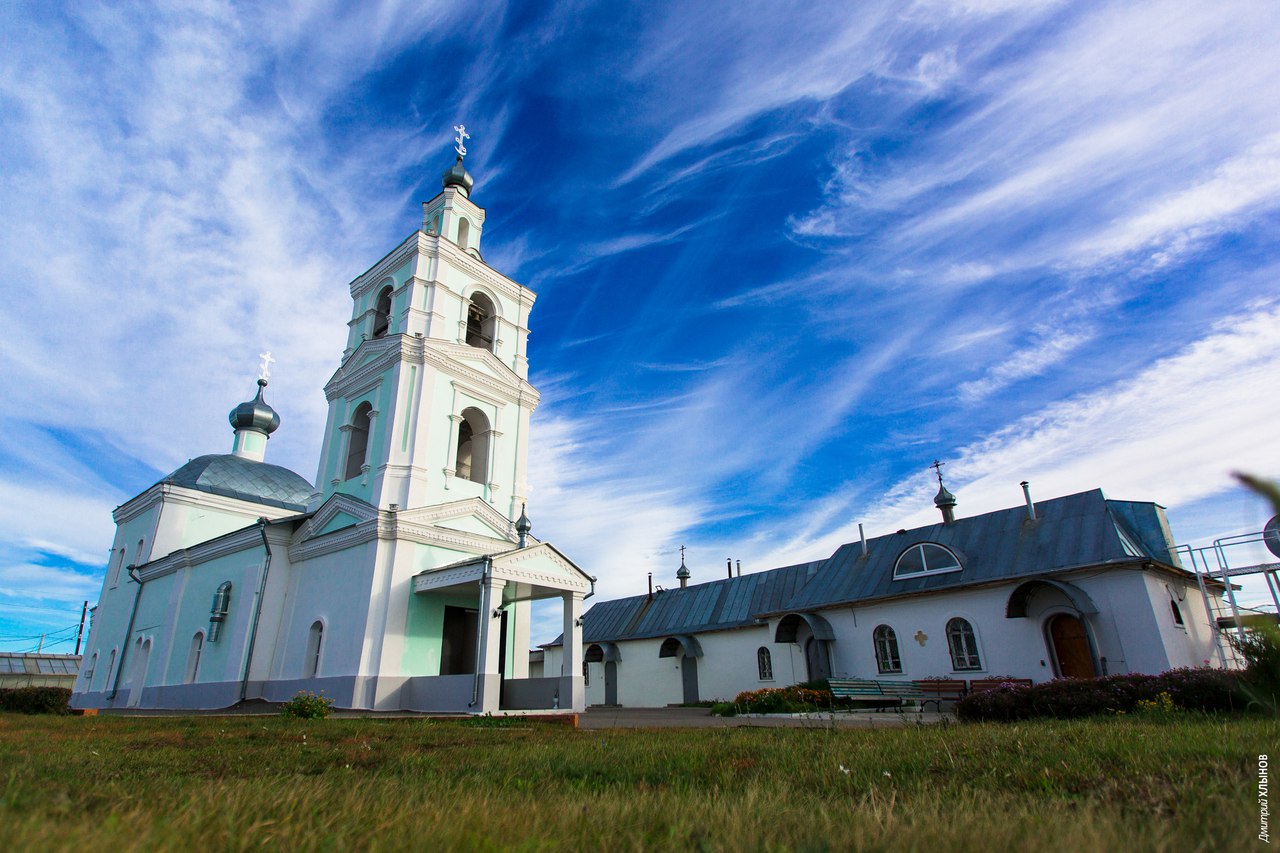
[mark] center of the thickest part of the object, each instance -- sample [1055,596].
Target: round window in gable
[925,559]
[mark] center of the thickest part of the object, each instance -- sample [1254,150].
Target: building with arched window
[402,577]
[1077,586]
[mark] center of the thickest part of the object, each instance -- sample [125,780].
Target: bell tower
[431,403]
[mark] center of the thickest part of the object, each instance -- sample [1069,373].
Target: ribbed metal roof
[1069,532]
[236,477]
[1072,531]
[713,606]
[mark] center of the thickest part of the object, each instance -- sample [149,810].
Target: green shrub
[781,700]
[306,705]
[36,700]
[1187,689]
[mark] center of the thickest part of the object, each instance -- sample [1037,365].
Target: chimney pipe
[862,535]
[1031,507]
[651,586]
[728,564]
[739,568]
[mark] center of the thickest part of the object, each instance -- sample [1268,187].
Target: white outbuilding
[1075,586]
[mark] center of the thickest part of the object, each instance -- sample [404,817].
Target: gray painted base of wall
[441,694]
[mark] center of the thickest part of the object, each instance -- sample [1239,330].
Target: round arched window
[925,559]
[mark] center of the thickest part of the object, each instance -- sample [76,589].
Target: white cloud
[1172,434]
[1049,348]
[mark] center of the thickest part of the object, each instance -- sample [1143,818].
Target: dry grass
[249,783]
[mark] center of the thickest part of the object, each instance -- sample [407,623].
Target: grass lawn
[111,783]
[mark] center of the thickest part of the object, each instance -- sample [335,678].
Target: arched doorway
[688,650]
[817,659]
[1069,646]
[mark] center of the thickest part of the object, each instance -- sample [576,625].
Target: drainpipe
[482,625]
[593,586]
[257,610]
[128,633]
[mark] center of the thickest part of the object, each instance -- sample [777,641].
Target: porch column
[490,641]
[572,695]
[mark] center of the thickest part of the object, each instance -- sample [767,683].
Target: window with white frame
[963,645]
[886,644]
[764,663]
[925,558]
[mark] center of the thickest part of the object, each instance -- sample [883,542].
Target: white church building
[402,579]
[1075,586]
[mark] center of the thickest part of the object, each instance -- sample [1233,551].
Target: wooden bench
[882,693]
[939,690]
[979,684]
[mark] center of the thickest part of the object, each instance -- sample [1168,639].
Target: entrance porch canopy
[525,574]
[521,574]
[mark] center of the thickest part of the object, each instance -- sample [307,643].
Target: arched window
[137,554]
[925,559]
[111,665]
[382,313]
[886,643]
[464,233]
[472,461]
[118,565]
[315,641]
[218,612]
[358,442]
[482,321]
[89,670]
[1177,613]
[193,657]
[963,645]
[764,663]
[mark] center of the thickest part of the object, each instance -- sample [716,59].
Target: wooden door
[1070,647]
[817,660]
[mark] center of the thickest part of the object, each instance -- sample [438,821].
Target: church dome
[236,477]
[457,176]
[255,414]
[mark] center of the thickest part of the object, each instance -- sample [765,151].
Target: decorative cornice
[388,263]
[168,493]
[231,543]
[448,358]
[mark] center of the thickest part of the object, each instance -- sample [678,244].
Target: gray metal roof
[713,606]
[1069,532]
[236,477]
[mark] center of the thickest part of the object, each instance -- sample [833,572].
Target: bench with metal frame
[882,693]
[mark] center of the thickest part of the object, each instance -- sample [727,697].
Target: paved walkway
[692,718]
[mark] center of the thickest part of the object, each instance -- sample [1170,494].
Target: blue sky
[784,259]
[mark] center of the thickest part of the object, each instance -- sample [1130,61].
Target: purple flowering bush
[1189,689]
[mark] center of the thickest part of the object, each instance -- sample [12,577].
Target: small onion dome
[683,572]
[944,497]
[457,177]
[523,524]
[255,414]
